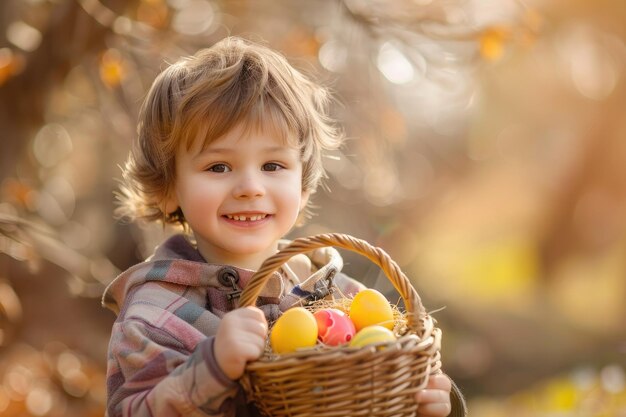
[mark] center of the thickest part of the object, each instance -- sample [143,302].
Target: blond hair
[205,96]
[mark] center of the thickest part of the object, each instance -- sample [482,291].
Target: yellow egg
[372,334]
[295,329]
[370,307]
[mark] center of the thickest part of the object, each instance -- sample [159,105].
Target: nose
[249,185]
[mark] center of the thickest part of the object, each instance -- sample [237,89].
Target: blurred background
[486,154]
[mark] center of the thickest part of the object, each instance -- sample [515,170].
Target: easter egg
[296,328]
[334,326]
[370,307]
[372,334]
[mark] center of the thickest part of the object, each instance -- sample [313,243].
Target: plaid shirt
[161,360]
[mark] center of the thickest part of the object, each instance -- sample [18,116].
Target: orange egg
[370,307]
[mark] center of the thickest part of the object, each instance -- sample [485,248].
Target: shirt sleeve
[348,286]
[150,373]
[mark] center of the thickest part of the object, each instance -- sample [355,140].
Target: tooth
[243,218]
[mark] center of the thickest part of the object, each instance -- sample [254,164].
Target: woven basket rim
[415,311]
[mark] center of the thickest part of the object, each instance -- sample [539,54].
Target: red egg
[334,327]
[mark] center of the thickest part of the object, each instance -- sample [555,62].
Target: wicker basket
[343,381]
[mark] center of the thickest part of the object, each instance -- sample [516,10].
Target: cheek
[293,196]
[195,196]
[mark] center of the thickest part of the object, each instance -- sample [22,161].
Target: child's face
[240,195]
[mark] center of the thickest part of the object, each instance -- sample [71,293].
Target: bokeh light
[195,17]
[23,36]
[394,65]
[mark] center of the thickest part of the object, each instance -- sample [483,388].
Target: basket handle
[415,311]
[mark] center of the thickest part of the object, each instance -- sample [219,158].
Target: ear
[169,204]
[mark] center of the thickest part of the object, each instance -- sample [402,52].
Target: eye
[272,166]
[218,168]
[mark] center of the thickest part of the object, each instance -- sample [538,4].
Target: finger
[250,313]
[249,337]
[251,352]
[247,346]
[261,328]
[243,333]
[440,382]
[253,326]
[252,349]
[433,403]
[434,410]
[239,316]
[427,396]
[254,312]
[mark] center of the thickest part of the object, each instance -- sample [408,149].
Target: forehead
[267,126]
[242,138]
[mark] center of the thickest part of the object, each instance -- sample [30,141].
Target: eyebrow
[226,151]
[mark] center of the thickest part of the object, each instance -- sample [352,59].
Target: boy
[229,147]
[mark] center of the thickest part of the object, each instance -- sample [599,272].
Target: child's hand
[239,339]
[434,400]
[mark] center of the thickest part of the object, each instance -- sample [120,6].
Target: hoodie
[160,359]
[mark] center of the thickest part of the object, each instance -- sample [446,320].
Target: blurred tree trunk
[574,229]
[71,35]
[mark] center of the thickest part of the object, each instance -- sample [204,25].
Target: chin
[243,248]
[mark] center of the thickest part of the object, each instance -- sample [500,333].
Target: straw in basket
[371,381]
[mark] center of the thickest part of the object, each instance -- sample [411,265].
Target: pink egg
[334,326]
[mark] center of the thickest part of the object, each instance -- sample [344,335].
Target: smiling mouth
[246,217]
